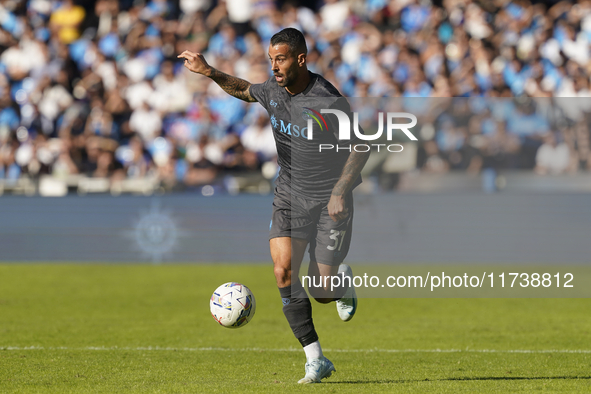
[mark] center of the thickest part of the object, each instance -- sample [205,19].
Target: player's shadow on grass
[466,378]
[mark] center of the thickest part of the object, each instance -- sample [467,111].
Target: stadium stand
[93,99]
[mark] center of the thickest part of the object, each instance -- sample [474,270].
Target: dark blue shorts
[298,217]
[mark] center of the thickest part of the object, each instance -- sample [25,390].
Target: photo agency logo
[391,119]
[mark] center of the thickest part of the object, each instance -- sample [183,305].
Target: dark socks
[298,311]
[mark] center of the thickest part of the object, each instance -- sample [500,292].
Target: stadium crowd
[95,87]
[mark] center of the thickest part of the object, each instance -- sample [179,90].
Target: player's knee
[282,276]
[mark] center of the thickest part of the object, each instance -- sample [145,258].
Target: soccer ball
[232,305]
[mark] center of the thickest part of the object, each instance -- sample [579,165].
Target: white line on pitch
[255,349]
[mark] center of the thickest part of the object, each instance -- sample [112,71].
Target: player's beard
[289,78]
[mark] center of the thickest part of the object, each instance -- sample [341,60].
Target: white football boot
[317,369]
[347,306]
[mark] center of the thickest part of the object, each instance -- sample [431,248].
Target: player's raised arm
[234,86]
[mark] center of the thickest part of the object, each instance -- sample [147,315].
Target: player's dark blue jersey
[305,171]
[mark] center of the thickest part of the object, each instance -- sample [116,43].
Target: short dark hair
[293,38]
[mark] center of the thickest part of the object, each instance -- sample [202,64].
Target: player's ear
[302,59]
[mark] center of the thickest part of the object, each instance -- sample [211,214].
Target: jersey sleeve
[259,92]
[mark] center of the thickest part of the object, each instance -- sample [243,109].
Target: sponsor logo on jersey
[287,128]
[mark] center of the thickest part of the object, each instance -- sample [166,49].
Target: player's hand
[336,208]
[195,62]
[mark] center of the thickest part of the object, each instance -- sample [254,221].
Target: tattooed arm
[234,86]
[351,170]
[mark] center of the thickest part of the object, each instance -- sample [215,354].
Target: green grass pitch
[142,328]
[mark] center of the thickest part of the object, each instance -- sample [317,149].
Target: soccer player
[313,202]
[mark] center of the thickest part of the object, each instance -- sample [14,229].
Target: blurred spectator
[146,122]
[65,21]
[553,157]
[258,138]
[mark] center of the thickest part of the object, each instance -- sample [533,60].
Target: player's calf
[298,312]
[327,288]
